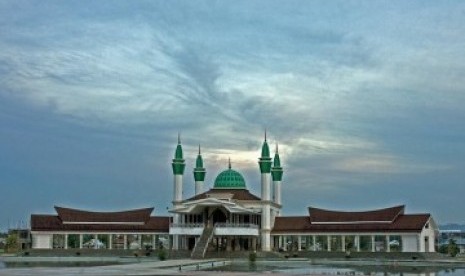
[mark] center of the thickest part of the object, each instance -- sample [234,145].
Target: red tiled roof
[329,216]
[68,215]
[403,223]
[238,194]
[54,223]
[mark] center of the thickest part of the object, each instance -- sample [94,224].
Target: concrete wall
[410,243]
[428,237]
[41,241]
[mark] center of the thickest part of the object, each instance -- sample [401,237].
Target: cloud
[350,93]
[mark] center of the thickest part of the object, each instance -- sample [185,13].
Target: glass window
[73,241]
[118,241]
[133,241]
[58,241]
[365,243]
[147,241]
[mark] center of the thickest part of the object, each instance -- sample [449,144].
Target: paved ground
[169,267]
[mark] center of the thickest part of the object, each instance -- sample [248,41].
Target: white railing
[236,225]
[187,225]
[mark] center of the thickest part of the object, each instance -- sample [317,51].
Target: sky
[365,99]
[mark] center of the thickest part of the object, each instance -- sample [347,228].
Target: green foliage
[452,248]
[11,243]
[443,249]
[162,254]
[252,256]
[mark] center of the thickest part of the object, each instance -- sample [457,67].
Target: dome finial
[229,163]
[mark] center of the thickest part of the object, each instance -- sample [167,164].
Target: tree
[11,243]
[452,248]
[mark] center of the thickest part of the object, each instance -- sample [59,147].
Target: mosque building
[228,217]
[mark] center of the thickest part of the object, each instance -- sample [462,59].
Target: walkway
[169,267]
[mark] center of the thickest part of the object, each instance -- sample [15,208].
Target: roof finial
[179,138]
[265,134]
[229,162]
[199,149]
[276,148]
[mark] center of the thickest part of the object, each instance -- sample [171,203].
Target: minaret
[277,176]
[199,174]
[178,170]
[265,170]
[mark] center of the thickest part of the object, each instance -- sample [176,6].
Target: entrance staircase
[202,244]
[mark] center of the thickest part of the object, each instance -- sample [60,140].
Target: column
[80,241]
[299,243]
[343,242]
[154,242]
[125,241]
[373,243]
[329,243]
[66,241]
[357,243]
[388,248]
[95,240]
[314,242]
[139,240]
[254,243]
[110,241]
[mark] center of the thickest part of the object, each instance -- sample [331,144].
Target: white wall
[410,243]
[429,232]
[41,241]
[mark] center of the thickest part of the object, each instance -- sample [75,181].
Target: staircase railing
[202,244]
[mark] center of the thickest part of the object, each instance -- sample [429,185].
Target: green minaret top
[178,162]
[178,153]
[276,170]
[265,159]
[265,148]
[199,161]
[199,171]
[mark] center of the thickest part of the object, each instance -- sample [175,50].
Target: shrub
[452,248]
[162,254]
[252,256]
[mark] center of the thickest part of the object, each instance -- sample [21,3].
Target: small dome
[229,179]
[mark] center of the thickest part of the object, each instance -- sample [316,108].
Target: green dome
[229,179]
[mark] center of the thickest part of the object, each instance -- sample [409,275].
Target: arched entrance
[218,216]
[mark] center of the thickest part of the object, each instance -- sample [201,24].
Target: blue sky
[365,99]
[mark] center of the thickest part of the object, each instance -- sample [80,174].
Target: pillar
[343,242]
[388,248]
[329,243]
[125,241]
[66,242]
[314,242]
[373,243]
[154,242]
[110,241]
[357,243]
[80,241]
